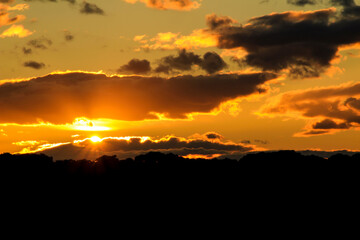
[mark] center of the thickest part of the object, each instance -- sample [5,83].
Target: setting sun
[95,139]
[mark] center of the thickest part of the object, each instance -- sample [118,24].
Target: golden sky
[80,79]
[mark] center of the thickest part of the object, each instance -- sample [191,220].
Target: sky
[198,78]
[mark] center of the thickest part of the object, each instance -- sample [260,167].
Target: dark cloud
[213,21]
[353,102]
[213,135]
[211,62]
[314,132]
[26,50]
[163,69]
[304,43]
[344,3]
[183,61]
[60,98]
[90,8]
[350,9]
[85,7]
[330,124]
[302,2]
[68,36]
[69,1]
[135,146]
[34,64]
[40,43]
[136,66]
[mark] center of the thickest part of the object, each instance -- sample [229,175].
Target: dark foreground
[282,165]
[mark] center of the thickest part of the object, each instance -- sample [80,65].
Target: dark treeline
[264,165]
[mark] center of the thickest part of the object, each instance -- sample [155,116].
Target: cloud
[68,36]
[90,8]
[350,9]
[7,19]
[344,3]
[60,98]
[184,61]
[330,124]
[85,7]
[302,2]
[301,44]
[6,1]
[125,147]
[328,109]
[27,50]
[213,135]
[16,31]
[40,43]
[200,38]
[184,5]
[34,65]
[304,43]
[211,62]
[136,66]
[69,1]
[213,21]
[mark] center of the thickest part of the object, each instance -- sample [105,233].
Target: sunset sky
[199,78]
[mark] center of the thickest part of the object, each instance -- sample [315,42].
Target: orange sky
[80,79]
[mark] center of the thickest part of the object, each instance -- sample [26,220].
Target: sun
[95,139]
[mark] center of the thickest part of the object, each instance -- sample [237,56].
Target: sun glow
[95,139]
[84,124]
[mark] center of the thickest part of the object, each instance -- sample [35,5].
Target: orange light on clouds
[199,38]
[183,5]
[16,31]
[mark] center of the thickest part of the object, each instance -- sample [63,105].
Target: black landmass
[279,166]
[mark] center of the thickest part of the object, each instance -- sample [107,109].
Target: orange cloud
[328,110]
[16,31]
[200,38]
[6,19]
[184,5]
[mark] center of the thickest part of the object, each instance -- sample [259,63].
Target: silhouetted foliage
[281,166]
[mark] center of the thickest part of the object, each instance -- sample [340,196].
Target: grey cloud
[90,8]
[34,65]
[211,62]
[40,43]
[136,66]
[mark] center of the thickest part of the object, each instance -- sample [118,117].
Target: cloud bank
[60,98]
[132,146]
